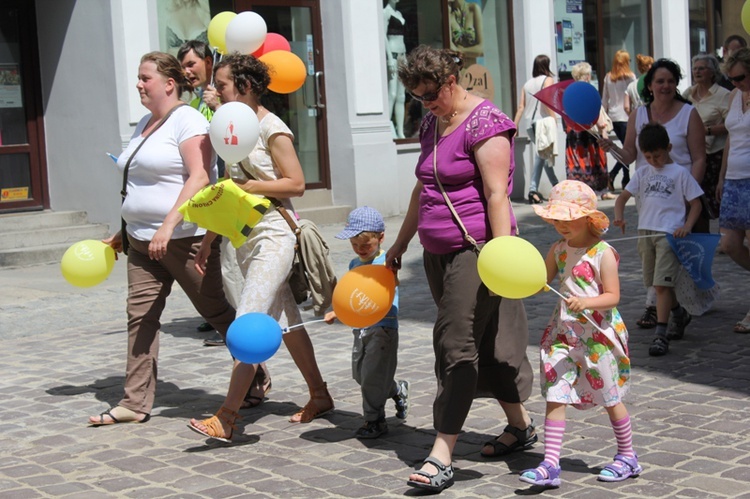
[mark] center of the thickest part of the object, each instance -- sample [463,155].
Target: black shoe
[214,341]
[205,327]
[372,429]
[678,321]
[402,399]
[535,198]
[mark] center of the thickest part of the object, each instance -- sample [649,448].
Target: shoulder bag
[124,190]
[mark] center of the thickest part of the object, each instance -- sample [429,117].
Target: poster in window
[182,20]
[10,86]
[467,37]
[569,34]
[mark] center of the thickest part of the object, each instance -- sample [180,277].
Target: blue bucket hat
[364,219]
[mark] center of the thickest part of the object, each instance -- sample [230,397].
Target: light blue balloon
[254,338]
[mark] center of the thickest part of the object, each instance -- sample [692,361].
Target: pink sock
[624,436]
[553,437]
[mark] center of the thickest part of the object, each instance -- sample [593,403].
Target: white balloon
[245,33]
[234,131]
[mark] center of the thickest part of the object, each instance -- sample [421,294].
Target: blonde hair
[580,70]
[643,62]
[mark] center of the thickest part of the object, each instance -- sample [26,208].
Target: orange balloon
[364,295]
[286,69]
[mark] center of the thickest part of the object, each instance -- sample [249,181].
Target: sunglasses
[737,79]
[428,97]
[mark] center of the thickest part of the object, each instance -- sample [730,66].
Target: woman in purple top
[468,143]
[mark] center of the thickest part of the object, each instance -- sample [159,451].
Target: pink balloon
[273,41]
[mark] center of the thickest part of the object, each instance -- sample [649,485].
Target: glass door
[22,178]
[304,110]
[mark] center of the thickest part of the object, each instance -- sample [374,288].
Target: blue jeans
[536,174]
[620,128]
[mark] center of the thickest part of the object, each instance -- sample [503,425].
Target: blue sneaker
[402,399]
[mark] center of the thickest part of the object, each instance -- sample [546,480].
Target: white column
[671,33]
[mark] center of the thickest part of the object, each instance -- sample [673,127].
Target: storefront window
[624,26]
[477,28]
[698,27]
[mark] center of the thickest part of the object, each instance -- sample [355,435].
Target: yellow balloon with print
[217,30]
[512,267]
[87,263]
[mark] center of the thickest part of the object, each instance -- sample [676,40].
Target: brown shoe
[320,403]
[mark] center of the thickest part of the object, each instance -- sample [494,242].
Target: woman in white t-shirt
[166,168]
[733,187]
[531,110]
[613,100]
[272,169]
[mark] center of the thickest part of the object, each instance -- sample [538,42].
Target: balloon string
[585,312]
[289,328]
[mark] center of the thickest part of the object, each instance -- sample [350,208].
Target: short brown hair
[248,73]
[426,63]
[168,66]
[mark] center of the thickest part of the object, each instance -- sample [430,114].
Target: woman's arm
[727,148]
[696,141]
[628,152]
[521,105]
[292,181]
[196,155]
[626,104]
[407,231]
[493,159]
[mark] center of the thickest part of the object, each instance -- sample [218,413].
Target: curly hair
[426,63]
[248,73]
[168,66]
[672,67]
[741,56]
[643,62]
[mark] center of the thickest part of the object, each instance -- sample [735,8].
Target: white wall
[79,94]
[671,34]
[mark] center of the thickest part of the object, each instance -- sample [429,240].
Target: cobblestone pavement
[64,360]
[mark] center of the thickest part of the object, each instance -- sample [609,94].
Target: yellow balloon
[745,16]
[286,69]
[87,263]
[217,30]
[512,267]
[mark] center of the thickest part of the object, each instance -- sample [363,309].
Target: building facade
[68,72]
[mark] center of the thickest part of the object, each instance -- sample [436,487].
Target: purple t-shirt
[439,233]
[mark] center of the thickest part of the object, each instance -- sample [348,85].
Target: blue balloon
[581,102]
[253,338]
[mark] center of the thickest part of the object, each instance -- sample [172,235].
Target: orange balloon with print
[286,69]
[364,295]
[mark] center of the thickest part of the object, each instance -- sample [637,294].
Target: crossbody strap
[124,190]
[467,236]
[279,207]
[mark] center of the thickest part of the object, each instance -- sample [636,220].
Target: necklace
[447,119]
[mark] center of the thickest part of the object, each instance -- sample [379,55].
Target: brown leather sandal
[311,409]
[213,425]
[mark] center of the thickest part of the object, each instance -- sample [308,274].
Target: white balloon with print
[245,33]
[234,131]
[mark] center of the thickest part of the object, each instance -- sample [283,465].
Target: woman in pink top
[467,152]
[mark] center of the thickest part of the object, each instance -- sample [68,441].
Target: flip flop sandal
[311,410]
[213,426]
[525,439]
[536,477]
[742,327]
[439,481]
[622,468]
[132,418]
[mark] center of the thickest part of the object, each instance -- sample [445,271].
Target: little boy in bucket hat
[375,348]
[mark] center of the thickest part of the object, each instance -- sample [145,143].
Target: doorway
[303,111]
[23,180]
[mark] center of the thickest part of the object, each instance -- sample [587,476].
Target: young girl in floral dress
[584,349]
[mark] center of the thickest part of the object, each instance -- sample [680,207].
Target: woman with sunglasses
[466,164]
[531,110]
[663,104]
[734,179]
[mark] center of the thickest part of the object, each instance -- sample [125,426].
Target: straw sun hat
[571,200]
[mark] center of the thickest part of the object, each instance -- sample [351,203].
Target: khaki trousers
[149,284]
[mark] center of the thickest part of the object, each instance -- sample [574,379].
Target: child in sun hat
[584,349]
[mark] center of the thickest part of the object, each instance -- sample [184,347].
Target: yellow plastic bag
[224,208]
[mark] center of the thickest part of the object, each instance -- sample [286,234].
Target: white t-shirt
[533,109]
[661,194]
[157,174]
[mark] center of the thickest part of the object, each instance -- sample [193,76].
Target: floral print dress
[583,365]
